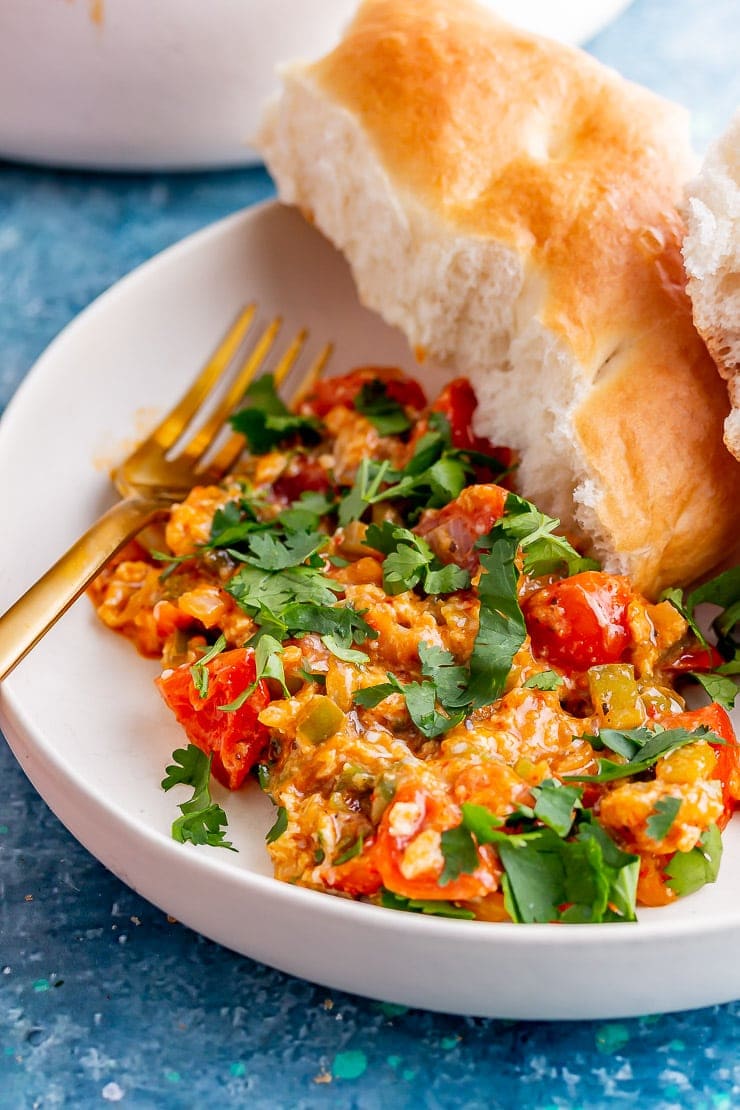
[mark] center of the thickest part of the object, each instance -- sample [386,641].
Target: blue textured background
[104,1000]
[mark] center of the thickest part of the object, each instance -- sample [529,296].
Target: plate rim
[45,761]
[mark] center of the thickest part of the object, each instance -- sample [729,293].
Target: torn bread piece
[511,205]
[711,251]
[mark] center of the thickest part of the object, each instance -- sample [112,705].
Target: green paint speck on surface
[238,1069]
[394,1061]
[720,1101]
[349,1065]
[610,1038]
[392,1009]
[41,985]
[676,1046]
[3,829]
[450,1042]
[408,1074]
[671,1091]
[172,1076]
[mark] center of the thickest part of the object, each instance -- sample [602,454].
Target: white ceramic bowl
[177,84]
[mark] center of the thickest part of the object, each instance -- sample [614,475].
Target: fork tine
[206,434]
[171,427]
[313,374]
[230,451]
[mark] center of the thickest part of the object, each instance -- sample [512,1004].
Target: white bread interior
[711,250]
[510,204]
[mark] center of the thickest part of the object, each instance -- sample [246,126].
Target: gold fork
[150,479]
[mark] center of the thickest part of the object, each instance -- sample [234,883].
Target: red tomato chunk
[235,737]
[580,622]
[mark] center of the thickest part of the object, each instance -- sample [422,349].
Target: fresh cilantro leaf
[439,908]
[199,669]
[262,771]
[720,687]
[543,551]
[555,805]
[446,580]
[370,696]
[642,749]
[501,627]
[364,492]
[233,523]
[676,598]
[409,562]
[266,421]
[403,568]
[460,854]
[342,650]
[544,680]
[268,552]
[450,678]
[355,849]
[722,591]
[257,590]
[446,479]
[279,827]
[582,880]
[173,562]
[688,871]
[421,703]
[343,622]
[660,821]
[312,676]
[386,415]
[533,882]
[486,826]
[202,821]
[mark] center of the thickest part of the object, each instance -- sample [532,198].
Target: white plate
[179,83]
[89,729]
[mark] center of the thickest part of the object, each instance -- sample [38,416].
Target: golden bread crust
[502,135]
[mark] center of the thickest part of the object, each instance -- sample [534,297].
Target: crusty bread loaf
[511,205]
[711,250]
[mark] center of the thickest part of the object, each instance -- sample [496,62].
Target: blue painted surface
[102,999]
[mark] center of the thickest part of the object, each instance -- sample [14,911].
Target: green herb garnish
[266,421]
[202,821]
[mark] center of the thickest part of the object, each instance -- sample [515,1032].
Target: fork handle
[23,625]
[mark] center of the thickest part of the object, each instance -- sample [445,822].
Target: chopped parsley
[660,821]
[278,828]
[544,680]
[202,820]
[724,592]
[641,749]
[544,551]
[689,871]
[199,670]
[409,562]
[565,869]
[266,421]
[387,415]
[433,907]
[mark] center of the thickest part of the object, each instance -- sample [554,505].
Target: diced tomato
[408,853]
[458,403]
[716,718]
[234,737]
[342,391]
[451,532]
[580,622]
[358,876]
[302,474]
[698,659]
